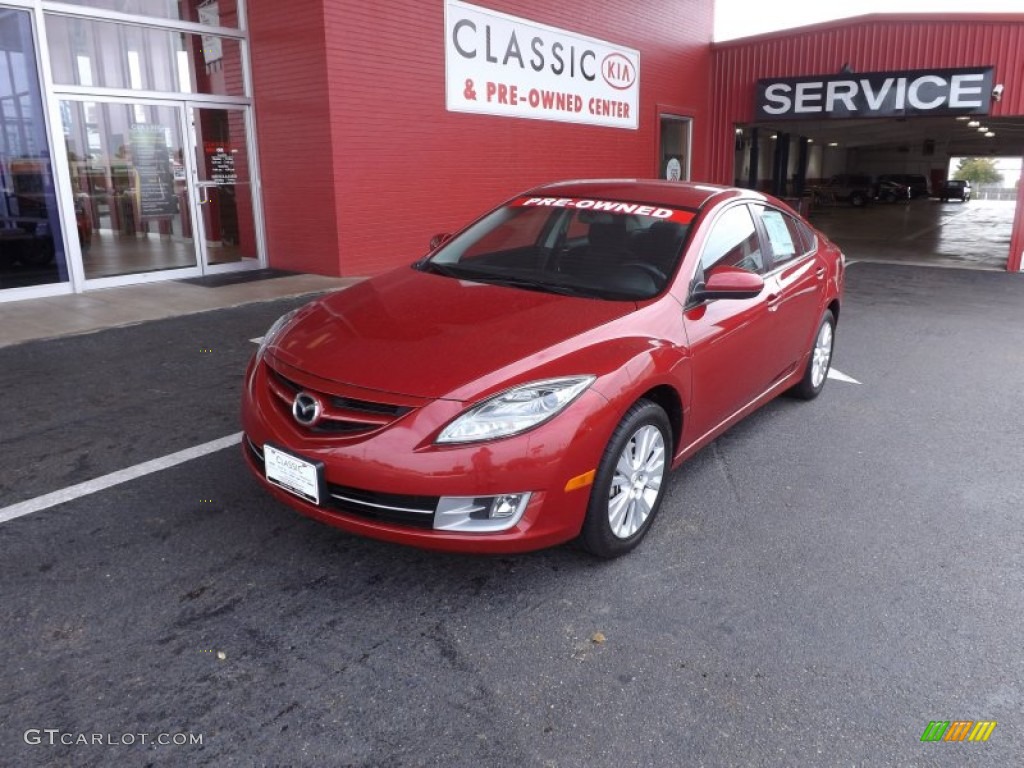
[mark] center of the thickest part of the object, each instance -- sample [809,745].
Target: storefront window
[215,13]
[31,248]
[104,55]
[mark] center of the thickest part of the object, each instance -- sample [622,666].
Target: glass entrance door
[129,182]
[226,218]
[160,187]
[674,163]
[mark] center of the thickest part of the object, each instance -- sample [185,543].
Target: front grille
[341,415]
[399,509]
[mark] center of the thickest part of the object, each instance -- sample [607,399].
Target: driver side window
[733,242]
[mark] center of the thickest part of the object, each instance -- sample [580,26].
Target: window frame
[697,278]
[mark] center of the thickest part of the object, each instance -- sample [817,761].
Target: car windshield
[601,249]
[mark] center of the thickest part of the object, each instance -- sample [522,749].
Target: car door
[795,287]
[729,339]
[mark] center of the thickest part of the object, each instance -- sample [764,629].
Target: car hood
[425,335]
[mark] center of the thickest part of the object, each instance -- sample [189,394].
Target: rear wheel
[820,361]
[630,481]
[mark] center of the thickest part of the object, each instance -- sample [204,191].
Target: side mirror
[728,283]
[438,240]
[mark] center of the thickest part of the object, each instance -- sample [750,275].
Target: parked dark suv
[917,182]
[955,189]
[853,188]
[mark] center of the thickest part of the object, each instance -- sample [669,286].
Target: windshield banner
[611,206]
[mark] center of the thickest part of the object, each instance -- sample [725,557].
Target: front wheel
[630,482]
[820,361]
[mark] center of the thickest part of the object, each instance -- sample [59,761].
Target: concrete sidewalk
[127,305]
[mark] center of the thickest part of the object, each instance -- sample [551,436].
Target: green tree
[981,170]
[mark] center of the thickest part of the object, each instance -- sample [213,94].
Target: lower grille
[398,509]
[416,511]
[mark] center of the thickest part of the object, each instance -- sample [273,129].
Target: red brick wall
[405,168]
[296,148]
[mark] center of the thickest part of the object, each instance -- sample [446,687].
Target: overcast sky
[739,18]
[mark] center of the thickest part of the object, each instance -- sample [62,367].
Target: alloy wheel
[822,355]
[636,484]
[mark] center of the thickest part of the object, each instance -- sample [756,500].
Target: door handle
[774,299]
[819,273]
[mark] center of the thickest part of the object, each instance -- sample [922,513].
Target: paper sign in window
[778,233]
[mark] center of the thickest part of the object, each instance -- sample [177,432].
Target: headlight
[515,410]
[275,329]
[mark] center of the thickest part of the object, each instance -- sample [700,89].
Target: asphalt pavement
[823,581]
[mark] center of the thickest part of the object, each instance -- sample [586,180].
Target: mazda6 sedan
[533,379]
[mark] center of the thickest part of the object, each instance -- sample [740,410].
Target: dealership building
[148,140]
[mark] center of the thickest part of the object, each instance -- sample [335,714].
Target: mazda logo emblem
[306,409]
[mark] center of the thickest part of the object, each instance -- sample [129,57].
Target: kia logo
[306,409]
[618,71]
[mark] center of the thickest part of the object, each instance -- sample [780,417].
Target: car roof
[678,194]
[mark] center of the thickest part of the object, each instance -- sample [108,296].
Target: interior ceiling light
[833,143]
[973,124]
[775,136]
[963,117]
[982,129]
[739,131]
[990,134]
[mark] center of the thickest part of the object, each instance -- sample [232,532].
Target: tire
[630,482]
[820,360]
[858,199]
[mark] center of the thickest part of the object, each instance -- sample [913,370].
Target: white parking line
[840,376]
[73,492]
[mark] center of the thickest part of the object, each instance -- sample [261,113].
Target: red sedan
[534,378]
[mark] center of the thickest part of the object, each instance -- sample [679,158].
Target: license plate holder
[300,477]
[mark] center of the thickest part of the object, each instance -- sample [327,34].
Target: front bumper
[385,484]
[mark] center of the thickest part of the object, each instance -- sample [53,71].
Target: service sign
[925,92]
[503,65]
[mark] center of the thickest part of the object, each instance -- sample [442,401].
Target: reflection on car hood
[427,335]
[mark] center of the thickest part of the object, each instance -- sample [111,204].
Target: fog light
[506,506]
[480,514]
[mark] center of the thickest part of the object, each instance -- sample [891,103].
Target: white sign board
[209,14]
[504,65]
[673,170]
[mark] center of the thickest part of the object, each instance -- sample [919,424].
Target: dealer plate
[294,474]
